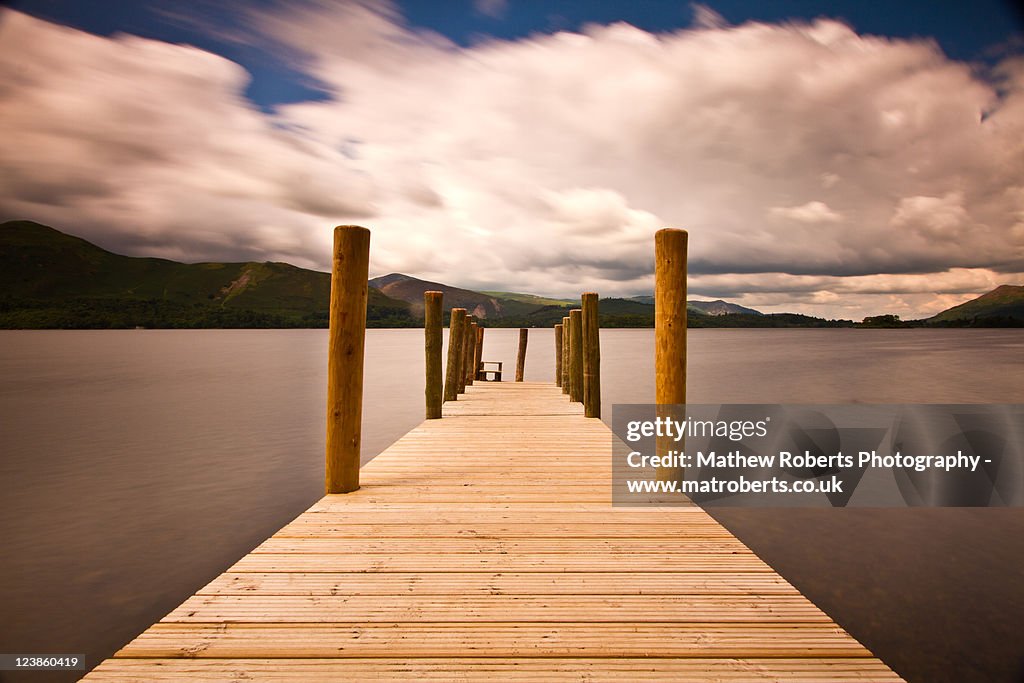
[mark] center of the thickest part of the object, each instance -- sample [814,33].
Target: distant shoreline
[52,280]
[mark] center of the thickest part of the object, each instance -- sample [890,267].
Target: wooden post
[566,382]
[345,346]
[669,327]
[670,316]
[558,354]
[451,375]
[464,335]
[521,356]
[433,341]
[479,349]
[591,356]
[576,355]
[471,353]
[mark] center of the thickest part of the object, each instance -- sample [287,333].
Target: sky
[839,159]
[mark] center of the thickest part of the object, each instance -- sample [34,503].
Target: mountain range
[716,307]
[49,279]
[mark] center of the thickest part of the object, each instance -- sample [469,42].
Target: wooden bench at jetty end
[482,371]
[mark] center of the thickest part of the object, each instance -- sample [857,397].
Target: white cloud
[151,148]
[938,217]
[792,153]
[811,212]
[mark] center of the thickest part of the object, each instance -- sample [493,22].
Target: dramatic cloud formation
[817,170]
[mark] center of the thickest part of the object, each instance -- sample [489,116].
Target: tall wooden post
[451,375]
[591,356]
[433,341]
[521,356]
[471,353]
[464,335]
[558,354]
[669,327]
[566,382]
[345,346]
[479,349]
[576,355]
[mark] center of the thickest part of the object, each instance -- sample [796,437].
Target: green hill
[1002,307]
[626,313]
[532,299]
[480,304]
[52,280]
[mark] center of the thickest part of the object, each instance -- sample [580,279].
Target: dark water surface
[135,466]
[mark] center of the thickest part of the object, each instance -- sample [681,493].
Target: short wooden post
[576,355]
[669,326]
[471,353]
[565,355]
[591,356]
[479,349]
[558,354]
[432,313]
[464,334]
[345,346]
[521,356]
[451,375]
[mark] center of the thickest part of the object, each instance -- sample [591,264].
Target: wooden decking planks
[484,546]
[534,670]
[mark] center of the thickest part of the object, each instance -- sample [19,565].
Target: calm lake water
[138,465]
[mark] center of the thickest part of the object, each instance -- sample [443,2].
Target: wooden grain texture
[484,547]
[558,354]
[496,608]
[465,333]
[429,561]
[591,356]
[499,583]
[670,316]
[487,639]
[345,350]
[521,354]
[433,341]
[670,249]
[470,348]
[576,355]
[479,349]
[451,375]
[491,669]
[565,356]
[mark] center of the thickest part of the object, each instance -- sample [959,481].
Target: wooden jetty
[483,546]
[486,547]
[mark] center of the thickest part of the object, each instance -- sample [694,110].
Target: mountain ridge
[716,307]
[1004,303]
[50,279]
[410,290]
